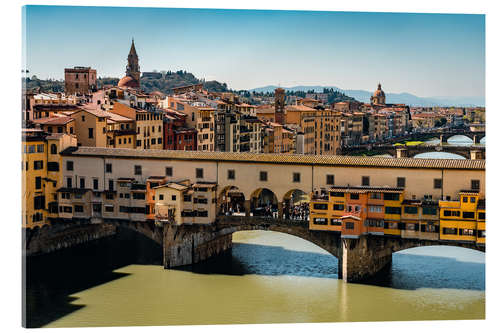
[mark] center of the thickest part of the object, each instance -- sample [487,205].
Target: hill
[165,83]
[405,98]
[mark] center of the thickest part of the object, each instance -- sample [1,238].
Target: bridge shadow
[52,279]
[407,271]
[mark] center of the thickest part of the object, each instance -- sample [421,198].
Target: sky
[422,54]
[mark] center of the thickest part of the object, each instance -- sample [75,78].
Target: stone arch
[467,135]
[292,198]
[400,244]
[231,200]
[148,229]
[263,201]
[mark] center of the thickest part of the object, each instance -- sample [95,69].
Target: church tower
[378,97]
[279,106]
[133,69]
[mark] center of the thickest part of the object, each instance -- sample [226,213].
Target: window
[475,184]
[376,195]
[468,215]
[337,194]
[109,208]
[168,171]
[39,202]
[123,209]
[69,165]
[449,231]
[187,197]
[138,196]
[27,165]
[39,148]
[481,216]
[349,225]
[78,209]
[91,133]
[137,170]
[38,183]
[330,179]
[199,173]
[338,207]
[161,196]
[230,174]
[263,176]
[393,210]
[455,213]
[465,199]
[320,221]
[38,165]
[111,184]
[467,232]
[438,183]
[53,166]
[83,118]
[174,197]
[335,222]
[411,210]
[82,182]
[109,168]
[429,210]
[296,177]
[109,196]
[53,149]
[473,199]
[69,182]
[375,209]
[320,206]
[391,196]
[365,181]
[96,208]
[95,183]
[481,233]
[401,182]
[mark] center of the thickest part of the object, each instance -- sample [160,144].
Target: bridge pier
[362,258]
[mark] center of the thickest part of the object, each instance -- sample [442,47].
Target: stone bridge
[475,133]
[468,152]
[187,244]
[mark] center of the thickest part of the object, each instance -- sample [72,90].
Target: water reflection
[268,277]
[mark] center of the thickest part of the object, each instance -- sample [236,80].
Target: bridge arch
[231,200]
[263,201]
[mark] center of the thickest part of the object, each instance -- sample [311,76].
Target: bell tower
[133,69]
[279,106]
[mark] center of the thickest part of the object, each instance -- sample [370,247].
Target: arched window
[53,149]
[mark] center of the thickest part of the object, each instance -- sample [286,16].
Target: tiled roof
[331,160]
[63,120]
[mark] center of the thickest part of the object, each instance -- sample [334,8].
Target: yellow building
[463,220]
[148,125]
[90,127]
[42,176]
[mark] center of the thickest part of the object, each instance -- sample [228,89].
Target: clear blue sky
[423,54]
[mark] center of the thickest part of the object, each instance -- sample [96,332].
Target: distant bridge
[398,151]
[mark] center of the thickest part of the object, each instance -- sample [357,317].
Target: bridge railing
[238,220]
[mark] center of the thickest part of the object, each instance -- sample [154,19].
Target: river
[268,277]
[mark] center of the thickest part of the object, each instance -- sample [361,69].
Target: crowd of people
[297,212]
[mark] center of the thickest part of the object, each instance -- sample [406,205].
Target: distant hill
[165,84]
[405,98]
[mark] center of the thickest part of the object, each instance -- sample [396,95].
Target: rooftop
[329,160]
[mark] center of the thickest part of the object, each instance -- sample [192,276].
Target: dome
[379,92]
[128,82]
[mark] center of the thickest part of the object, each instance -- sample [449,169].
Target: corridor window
[109,168]
[137,170]
[168,171]
[296,177]
[230,174]
[330,179]
[438,183]
[365,181]
[475,184]
[263,176]
[199,173]
[69,165]
[401,182]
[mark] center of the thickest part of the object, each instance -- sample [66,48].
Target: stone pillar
[475,140]
[362,258]
[190,244]
[441,139]
[247,207]
[401,152]
[476,154]
[280,210]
